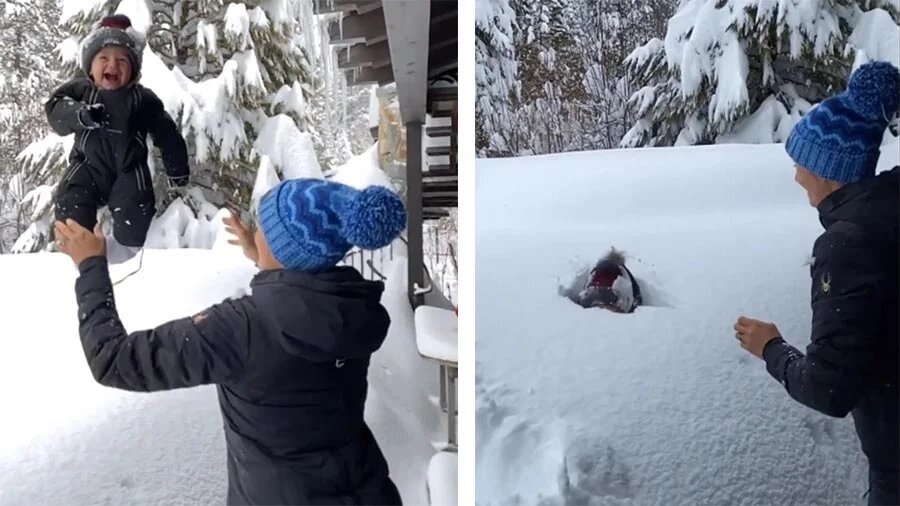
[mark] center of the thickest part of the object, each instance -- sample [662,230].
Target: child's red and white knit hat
[113,31]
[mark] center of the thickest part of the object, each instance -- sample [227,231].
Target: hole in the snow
[612,283]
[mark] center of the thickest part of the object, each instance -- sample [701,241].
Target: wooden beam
[367,28]
[407,23]
[443,94]
[332,6]
[440,179]
[370,75]
[440,131]
[414,207]
[436,194]
[361,55]
[443,10]
[368,6]
[451,191]
[442,203]
[438,150]
[433,184]
[441,105]
[438,170]
[442,59]
[442,34]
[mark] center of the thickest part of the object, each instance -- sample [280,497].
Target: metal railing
[365,262]
[369,263]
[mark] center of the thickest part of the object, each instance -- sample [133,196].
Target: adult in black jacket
[851,363]
[111,116]
[290,360]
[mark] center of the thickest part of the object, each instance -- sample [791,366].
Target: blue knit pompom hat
[839,139]
[310,224]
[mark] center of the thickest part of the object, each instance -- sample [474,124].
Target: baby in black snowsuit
[111,115]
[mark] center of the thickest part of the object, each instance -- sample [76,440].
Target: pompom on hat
[113,31]
[310,224]
[839,139]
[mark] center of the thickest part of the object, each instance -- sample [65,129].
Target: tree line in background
[555,75]
[28,73]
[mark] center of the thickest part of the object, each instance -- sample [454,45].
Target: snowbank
[363,170]
[876,37]
[403,409]
[64,439]
[661,406]
[289,149]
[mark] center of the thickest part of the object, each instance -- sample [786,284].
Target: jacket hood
[871,204]
[326,316]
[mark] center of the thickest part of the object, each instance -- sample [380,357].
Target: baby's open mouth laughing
[111,77]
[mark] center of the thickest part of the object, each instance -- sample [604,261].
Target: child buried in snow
[290,360]
[111,115]
[611,286]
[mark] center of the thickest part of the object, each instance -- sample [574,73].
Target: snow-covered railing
[436,339]
[370,263]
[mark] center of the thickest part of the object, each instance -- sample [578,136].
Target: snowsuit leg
[77,196]
[132,204]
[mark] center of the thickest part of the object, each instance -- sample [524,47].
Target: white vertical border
[466,244]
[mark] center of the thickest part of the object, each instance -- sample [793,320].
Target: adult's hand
[755,334]
[243,236]
[78,242]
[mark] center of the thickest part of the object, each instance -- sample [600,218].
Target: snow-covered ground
[661,406]
[64,439]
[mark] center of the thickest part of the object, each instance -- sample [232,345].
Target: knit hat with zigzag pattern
[310,224]
[839,139]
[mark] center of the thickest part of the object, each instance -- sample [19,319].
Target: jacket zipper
[140,177]
[74,170]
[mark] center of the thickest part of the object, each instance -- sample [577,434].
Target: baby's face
[111,68]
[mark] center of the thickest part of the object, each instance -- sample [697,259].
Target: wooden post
[415,212]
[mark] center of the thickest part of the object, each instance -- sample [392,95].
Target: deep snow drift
[64,439]
[661,406]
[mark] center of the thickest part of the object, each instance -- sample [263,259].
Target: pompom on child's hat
[310,224]
[113,31]
[839,139]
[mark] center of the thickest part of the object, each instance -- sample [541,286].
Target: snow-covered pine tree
[236,78]
[239,81]
[608,31]
[738,71]
[495,73]
[550,75]
[27,34]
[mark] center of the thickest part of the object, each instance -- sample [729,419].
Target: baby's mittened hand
[93,116]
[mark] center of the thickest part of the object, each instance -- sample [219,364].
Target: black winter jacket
[290,362]
[134,111]
[851,363]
